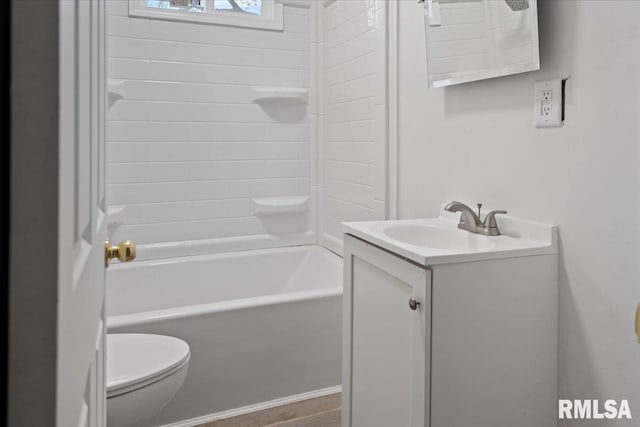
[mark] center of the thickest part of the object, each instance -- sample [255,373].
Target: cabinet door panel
[382,333]
[386,368]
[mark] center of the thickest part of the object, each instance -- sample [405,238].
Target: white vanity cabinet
[478,349]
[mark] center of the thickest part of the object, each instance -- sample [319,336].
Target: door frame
[33,234]
[5,176]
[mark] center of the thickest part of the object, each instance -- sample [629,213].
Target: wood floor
[319,412]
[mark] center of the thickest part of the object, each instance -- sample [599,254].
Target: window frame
[272,17]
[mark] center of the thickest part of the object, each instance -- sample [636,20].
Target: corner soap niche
[115,91]
[276,93]
[280,205]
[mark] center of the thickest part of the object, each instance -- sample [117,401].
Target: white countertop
[519,238]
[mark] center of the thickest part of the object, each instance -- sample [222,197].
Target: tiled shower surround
[189,148]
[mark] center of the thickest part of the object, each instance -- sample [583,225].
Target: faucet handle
[490,219]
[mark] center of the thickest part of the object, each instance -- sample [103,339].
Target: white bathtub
[264,326]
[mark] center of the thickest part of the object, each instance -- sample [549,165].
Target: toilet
[144,372]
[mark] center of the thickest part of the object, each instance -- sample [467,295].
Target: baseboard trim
[257,407]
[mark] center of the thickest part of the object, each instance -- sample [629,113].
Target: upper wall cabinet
[470,40]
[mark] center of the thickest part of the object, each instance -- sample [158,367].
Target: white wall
[353,163]
[476,142]
[188,149]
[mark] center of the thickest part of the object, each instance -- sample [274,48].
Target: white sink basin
[438,237]
[431,241]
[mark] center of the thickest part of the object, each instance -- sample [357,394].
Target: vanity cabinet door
[386,341]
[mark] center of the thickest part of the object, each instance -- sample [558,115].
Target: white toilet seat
[137,360]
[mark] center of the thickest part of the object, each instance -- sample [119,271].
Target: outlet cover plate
[548,108]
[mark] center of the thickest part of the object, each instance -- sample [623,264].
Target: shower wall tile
[355,133]
[128,27]
[235,36]
[166,212]
[357,25]
[351,90]
[192,230]
[146,90]
[357,173]
[187,147]
[351,49]
[356,68]
[186,191]
[208,53]
[346,11]
[119,7]
[123,173]
[226,74]
[351,111]
[128,69]
[206,131]
[130,151]
[348,192]
[349,152]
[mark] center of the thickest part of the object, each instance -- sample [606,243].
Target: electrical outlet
[549,103]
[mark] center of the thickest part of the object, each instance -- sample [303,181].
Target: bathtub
[264,326]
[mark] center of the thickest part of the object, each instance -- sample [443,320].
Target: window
[184,5]
[244,6]
[264,14]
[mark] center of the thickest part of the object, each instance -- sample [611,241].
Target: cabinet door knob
[413,304]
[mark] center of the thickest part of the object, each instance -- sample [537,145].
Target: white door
[82,225]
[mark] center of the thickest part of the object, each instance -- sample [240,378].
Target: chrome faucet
[470,221]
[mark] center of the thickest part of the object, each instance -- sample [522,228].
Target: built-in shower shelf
[275,93]
[115,90]
[280,205]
